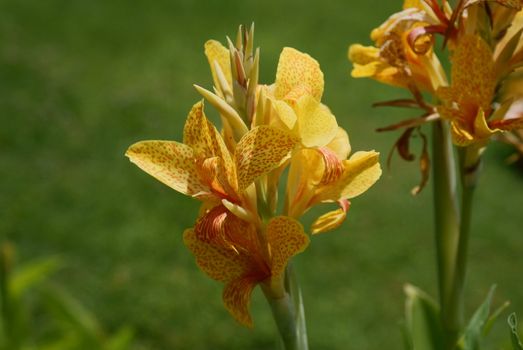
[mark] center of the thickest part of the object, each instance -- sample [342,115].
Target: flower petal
[317,126]
[296,68]
[216,52]
[169,162]
[340,144]
[286,238]
[218,262]
[237,299]
[362,170]
[261,150]
[332,219]
[206,141]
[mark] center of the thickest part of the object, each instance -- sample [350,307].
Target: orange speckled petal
[169,162]
[215,51]
[331,220]
[296,68]
[361,171]
[317,126]
[261,150]
[237,299]
[206,141]
[286,238]
[473,75]
[218,262]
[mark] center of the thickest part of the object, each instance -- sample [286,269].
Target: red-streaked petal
[237,298]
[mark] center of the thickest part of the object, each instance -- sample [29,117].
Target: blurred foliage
[27,294]
[82,80]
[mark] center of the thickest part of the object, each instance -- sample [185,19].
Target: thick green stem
[288,314]
[447,228]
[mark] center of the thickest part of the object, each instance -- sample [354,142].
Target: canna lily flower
[467,102]
[394,59]
[249,257]
[325,175]
[202,167]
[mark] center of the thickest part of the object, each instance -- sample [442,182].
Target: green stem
[447,227]
[287,311]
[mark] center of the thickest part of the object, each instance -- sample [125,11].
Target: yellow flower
[396,61]
[325,175]
[467,103]
[203,167]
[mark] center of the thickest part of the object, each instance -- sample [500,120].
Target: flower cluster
[483,39]
[240,238]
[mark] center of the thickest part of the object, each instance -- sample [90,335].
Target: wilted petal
[261,150]
[317,126]
[216,52]
[332,219]
[286,238]
[296,68]
[169,162]
[237,299]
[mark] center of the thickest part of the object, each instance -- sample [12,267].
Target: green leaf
[513,324]
[121,340]
[473,333]
[32,274]
[422,328]
[73,313]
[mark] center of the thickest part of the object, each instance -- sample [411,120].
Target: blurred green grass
[82,80]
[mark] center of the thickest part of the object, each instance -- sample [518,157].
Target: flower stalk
[288,313]
[447,227]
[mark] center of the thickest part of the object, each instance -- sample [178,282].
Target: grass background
[82,80]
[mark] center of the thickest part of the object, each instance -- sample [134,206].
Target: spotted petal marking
[170,162]
[296,68]
[261,150]
[286,238]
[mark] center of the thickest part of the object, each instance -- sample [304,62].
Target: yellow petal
[361,171]
[206,142]
[169,162]
[286,238]
[481,127]
[460,135]
[317,126]
[305,173]
[216,52]
[237,299]
[285,113]
[296,68]
[330,220]
[340,144]
[363,55]
[261,150]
